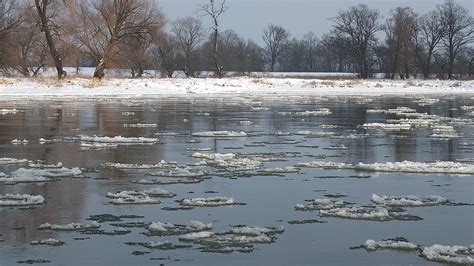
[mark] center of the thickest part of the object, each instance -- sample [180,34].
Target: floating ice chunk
[337,147]
[325,165]
[441,167]
[388,127]
[140,125]
[41,164]
[256,230]
[19,141]
[220,134]
[229,161]
[358,213]
[5,161]
[398,243]
[281,170]
[69,227]
[208,202]
[315,133]
[319,112]
[180,172]
[97,146]
[130,199]
[23,175]
[450,254]
[163,245]
[408,201]
[321,204]
[159,192]
[161,228]
[400,110]
[20,200]
[8,111]
[246,123]
[162,164]
[168,181]
[119,140]
[444,132]
[195,236]
[48,242]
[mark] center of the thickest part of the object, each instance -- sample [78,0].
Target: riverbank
[227,87]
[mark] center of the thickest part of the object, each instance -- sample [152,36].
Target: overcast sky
[249,17]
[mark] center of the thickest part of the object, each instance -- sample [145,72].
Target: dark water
[270,200]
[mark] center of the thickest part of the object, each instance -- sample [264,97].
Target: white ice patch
[373,245]
[179,172]
[69,227]
[139,197]
[256,230]
[281,170]
[8,111]
[162,164]
[208,202]
[216,134]
[97,146]
[408,201]
[246,123]
[119,140]
[23,175]
[6,161]
[387,127]
[196,235]
[319,112]
[20,200]
[358,213]
[140,125]
[440,167]
[325,165]
[450,254]
[47,242]
[321,204]
[163,228]
[229,161]
[19,142]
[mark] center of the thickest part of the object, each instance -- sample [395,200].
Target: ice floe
[229,161]
[125,166]
[8,111]
[47,242]
[440,167]
[20,200]
[138,125]
[139,197]
[325,165]
[24,175]
[119,140]
[69,227]
[408,201]
[321,204]
[6,161]
[398,243]
[208,202]
[450,254]
[163,228]
[319,112]
[217,134]
[387,127]
[19,142]
[368,213]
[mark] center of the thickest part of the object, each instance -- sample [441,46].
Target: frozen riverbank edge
[21,88]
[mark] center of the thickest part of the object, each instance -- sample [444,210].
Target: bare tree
[189,33]
[430,32]
[275,38]
[458,30]
[215,9]
[105,24]
[165,55]
[310,43]
[43,7]
[358,26]
[10,21]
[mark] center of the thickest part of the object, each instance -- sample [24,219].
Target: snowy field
[324,174]
[13,88]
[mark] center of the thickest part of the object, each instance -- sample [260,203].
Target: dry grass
[411,83]
[378,85]
[353,83]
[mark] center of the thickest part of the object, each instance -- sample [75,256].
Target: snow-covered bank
[227,87]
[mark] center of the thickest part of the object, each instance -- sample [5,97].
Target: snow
[408,201]
[208,202]
[227,87]
[219,134]
[20,200]
[69,227]
[450,254]
[372,245]
[439,167]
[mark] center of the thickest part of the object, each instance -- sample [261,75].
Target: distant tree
[107,24]
[10,21]
[275,38]
[310,43]
[165,54]
[357,26]
[430,32]
[401,31]
[215,9]
[44,7]
[458,30]
[189,33]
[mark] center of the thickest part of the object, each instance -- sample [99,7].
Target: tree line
[131,34]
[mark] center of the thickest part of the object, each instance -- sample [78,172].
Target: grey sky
[249,17]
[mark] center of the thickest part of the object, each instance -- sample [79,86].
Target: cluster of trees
[130,34]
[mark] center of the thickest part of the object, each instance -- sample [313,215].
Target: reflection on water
[269,199]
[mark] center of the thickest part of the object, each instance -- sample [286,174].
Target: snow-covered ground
[227,87]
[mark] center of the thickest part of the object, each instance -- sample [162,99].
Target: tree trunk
[100,70]
[218,67]
[49,38]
